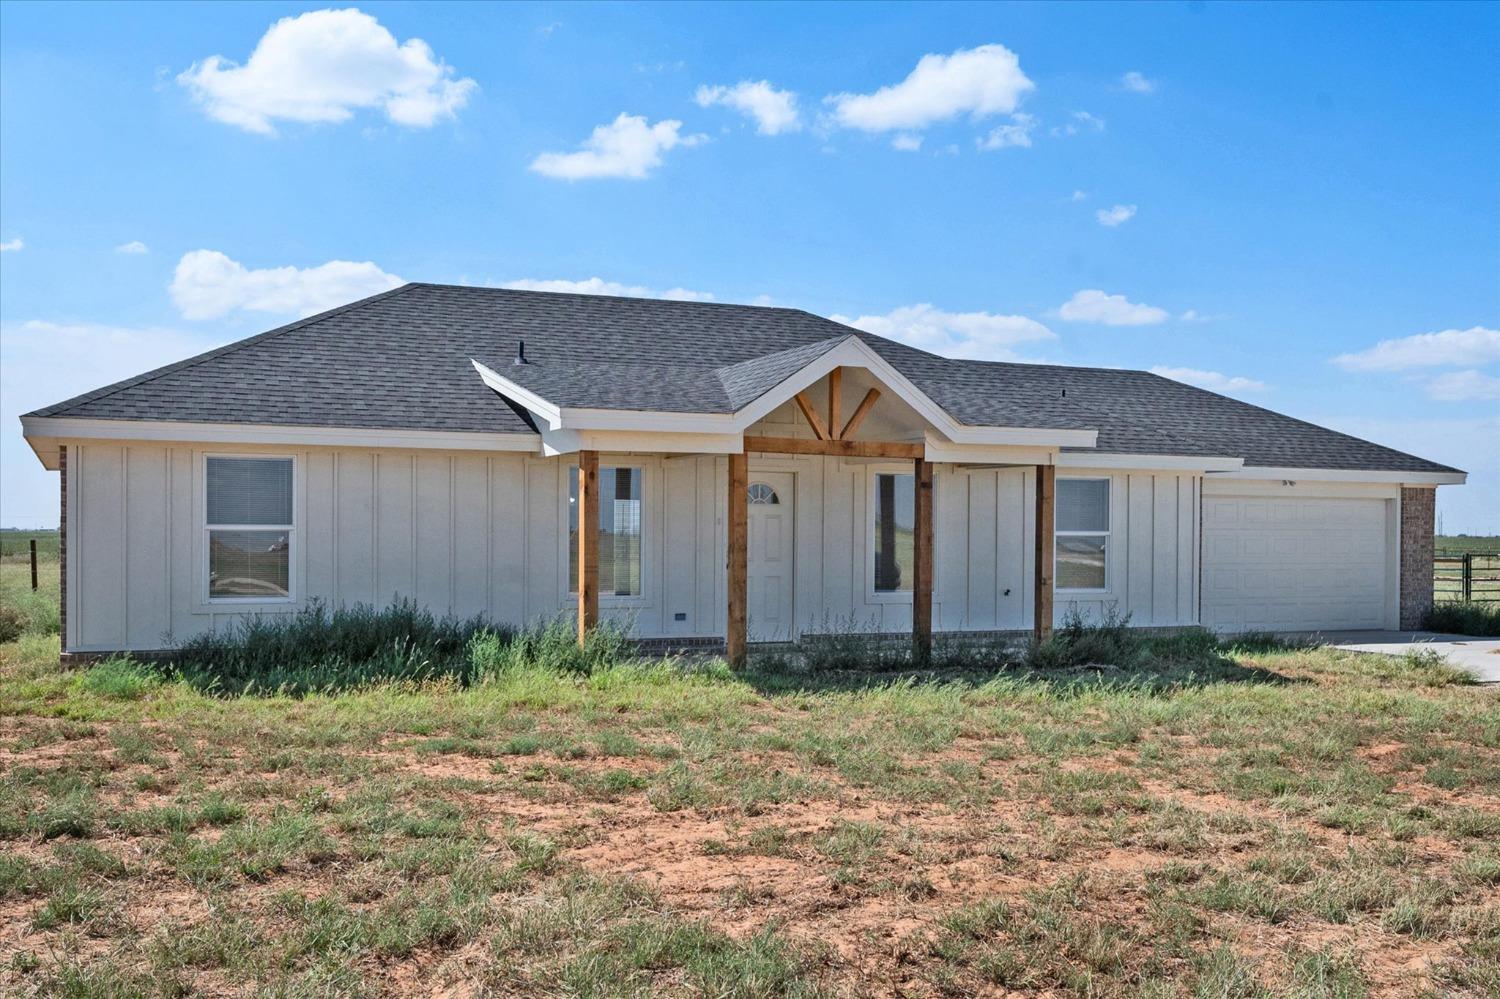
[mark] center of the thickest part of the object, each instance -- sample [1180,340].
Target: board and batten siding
[460,533]
[468,533]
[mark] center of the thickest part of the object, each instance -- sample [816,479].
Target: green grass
[1106,815]
[16,546]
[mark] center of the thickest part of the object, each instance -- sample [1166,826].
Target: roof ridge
[208,355]
[626,298]
[757,358]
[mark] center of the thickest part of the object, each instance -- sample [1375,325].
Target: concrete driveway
[1480,656]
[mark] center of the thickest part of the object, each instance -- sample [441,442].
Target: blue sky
[1298,205]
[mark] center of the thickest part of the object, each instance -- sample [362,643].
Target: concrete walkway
[1480,656]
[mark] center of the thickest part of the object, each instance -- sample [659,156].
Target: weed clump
[120,678]
[316,649]
[1464,619]
[552,648]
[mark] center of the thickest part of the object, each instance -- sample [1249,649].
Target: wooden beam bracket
[835,402]
[813,419]
[860,412]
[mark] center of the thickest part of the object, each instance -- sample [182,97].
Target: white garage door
[1293,564]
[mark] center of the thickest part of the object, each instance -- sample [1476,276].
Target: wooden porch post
[1046,518]
[738,568]
[921,588]
[588,542]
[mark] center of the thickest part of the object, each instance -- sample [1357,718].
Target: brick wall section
[1416,555]
[62,547]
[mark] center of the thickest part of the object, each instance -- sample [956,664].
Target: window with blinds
[1082,534]
[248,527]
[619,531]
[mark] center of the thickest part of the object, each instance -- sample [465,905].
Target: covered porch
[837,415]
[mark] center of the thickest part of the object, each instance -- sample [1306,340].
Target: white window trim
[206,597]
[872,595]
[570,584]
[1107,534]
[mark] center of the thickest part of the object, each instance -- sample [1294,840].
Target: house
[709,474]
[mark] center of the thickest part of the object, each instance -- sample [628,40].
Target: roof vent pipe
[520,353]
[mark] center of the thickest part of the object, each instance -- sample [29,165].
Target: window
[619,531]
[895,520]
[760,494]
[248,528]
[1082,534]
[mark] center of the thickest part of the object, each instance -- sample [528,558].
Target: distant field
[16,544]
[1467,542]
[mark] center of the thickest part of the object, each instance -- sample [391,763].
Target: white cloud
[627,147]
[1017,133]
[1214,381]
[1081,120]
[322,66]
[976,335]
[907,142]
[1462,386]
[980,81]
[1094,306]
[135,246]
[42,363]
[774,111]
[1136,83]
[1449,348]
[12,245]
[1118,215]
[599,286]
[207,284]
[1079,196]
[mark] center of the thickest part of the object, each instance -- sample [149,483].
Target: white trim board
[44,433]
[1344,475]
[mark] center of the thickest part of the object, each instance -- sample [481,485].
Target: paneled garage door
[1294,564]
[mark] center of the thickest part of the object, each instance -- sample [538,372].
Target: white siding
[484,534]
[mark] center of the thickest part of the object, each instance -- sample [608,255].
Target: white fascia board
[1151,462]
[559,442]
[646,421]
[938,450]
[46,431]
[1346,475]
[541,407]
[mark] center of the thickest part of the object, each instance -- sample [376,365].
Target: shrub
[553,648]
[315,650]
[1464,619]
[12,623]
[1078,643]
[23,612]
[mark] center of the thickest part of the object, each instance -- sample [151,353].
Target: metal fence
[1470,577]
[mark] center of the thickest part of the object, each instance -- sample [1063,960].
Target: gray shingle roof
[400,360]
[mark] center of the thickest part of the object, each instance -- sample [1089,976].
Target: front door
[772,542]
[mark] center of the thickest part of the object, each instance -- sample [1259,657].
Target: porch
[821,408]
